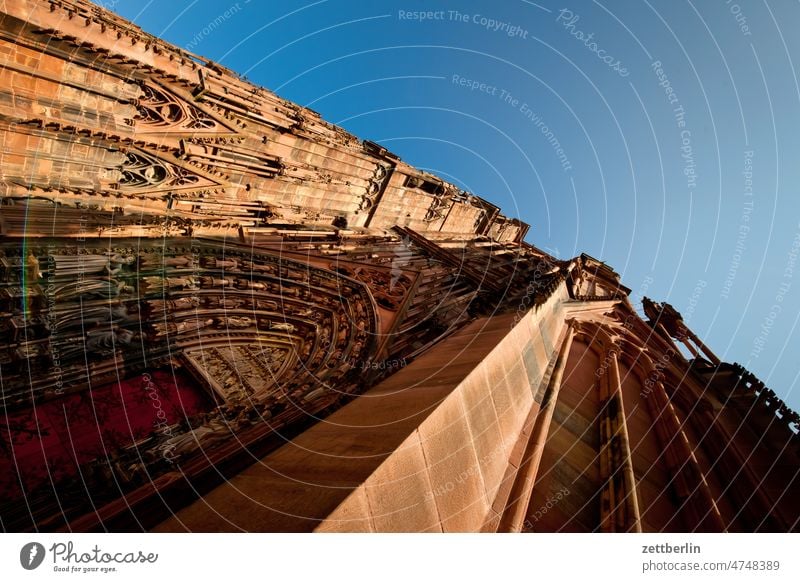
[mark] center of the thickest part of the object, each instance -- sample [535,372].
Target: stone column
[681,460]
[684,339]
[712,357]
[513,517]
[615,390]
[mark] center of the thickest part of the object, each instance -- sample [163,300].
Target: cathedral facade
[220,312]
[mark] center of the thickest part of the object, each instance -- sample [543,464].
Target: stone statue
[287,327]
[256,268]
[234,322]
[32,265]
[226,264]
[85,264]
[114,313]
[193,325]
[157,260]
[108,340]
[156,284]
[100,288]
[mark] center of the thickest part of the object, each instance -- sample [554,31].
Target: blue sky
[676,122]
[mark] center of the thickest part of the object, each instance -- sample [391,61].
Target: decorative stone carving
[147,174]
[157,108]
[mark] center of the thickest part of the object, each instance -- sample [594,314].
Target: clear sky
[658,136]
